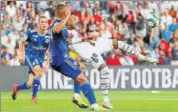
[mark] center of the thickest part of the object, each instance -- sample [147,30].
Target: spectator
[6,57]
[105,33]
[38,9]
[10,44]
[18,23]
[6,20]
[113,60]
[32,24]
[163,59]
[15,61]
[96,7]
[22,10]
[166,18]
[86,9]
[175,53]
[173,12]
[166,34]
[75,5]
[86,18]
[30,10]
[11,8]
[97,17]
[140,28]
[173,26]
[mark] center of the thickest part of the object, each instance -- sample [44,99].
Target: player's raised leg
[130,49]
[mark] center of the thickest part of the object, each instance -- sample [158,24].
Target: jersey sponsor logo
[40,48]
[47,40]
[35,35]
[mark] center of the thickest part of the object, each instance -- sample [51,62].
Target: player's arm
[48,56]
[151,34]
[22,49]
[57,28]
[22,45]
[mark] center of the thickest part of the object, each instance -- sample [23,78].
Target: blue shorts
[69,68]
[32,62]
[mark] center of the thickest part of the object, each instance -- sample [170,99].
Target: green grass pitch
[123,101]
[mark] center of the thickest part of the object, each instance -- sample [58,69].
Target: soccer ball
[151,20]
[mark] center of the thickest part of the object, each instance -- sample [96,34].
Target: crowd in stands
[122,20]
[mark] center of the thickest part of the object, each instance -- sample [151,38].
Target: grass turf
[123,101]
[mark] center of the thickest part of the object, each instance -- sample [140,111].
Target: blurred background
[122,20]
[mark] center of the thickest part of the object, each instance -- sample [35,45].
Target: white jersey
[88,52]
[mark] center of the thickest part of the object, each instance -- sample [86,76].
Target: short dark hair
[60,6]
[41,17]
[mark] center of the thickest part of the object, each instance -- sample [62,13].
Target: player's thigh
[37,71]
[104,45]
[82,67]
[96,60]
[70,68]
[81,79]
[35,66]
[84,50]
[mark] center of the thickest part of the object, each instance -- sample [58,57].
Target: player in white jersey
[92,54]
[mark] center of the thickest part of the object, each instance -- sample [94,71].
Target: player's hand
[68,13]
[90,38]
[22,59]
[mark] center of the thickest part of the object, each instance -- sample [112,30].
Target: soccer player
[37,42]
[92,54]
[60,59]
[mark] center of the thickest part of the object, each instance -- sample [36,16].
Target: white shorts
[104,45]
[89,53]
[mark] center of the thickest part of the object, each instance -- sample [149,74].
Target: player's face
[62,13]
[43,23]
[72,21]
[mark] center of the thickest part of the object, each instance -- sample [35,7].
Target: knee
[83,68]
[101,67]
[37,72]
[81,79]
[30,83]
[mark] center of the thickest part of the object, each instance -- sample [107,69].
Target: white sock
[131,50]
[106,98]
[105,82]
[76,94]
[94,105]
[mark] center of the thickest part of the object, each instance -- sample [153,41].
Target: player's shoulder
[32,31]
[55,21]
[47,36]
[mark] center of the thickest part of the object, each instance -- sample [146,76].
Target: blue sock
[23,86]
[77,87]
[36,83]
[88,92]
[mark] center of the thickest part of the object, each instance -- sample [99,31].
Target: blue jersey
[36,45]
[59,44]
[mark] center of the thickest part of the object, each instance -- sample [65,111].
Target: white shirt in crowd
[14,62]
[18,25]
[10,45]
[11,10]
[18,3]
[166,20]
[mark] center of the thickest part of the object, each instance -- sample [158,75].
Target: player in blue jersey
[37,44]
[60,59]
